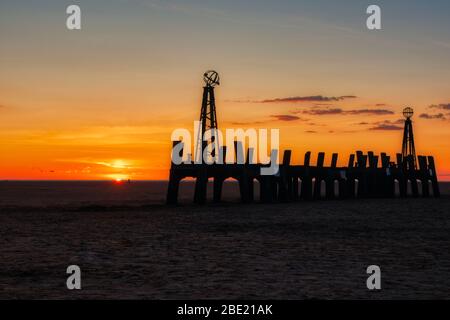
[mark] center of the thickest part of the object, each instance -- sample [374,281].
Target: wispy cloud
[299,99]
[273,117]
[370,111]
[387,127]
[285,117]
[442,106]
[248,123]
[336,110]
[323,111]
[432,116]
[441,116]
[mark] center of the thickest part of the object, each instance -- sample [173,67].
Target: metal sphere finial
[408,112]
[211,78]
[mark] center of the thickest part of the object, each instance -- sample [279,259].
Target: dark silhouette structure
[408,148]
[208,117]
[365,175]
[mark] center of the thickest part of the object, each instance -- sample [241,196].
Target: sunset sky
[101,102]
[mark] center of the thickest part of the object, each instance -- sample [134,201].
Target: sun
[118,178]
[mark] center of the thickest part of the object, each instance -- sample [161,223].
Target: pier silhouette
[366,175]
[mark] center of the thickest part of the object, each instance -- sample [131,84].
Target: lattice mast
[408,148]
[208,117]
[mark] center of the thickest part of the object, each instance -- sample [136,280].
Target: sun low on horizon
[101,103]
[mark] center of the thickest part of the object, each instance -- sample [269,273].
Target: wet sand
[129,245]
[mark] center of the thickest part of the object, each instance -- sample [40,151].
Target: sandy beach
[129,245]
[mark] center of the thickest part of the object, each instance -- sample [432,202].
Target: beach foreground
[129,245]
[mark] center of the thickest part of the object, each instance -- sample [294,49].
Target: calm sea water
[130,250]
[107,193]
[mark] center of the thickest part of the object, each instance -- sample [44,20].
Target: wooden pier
[365,176]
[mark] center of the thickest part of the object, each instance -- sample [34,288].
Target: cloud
[247,123]
[442,106]
[399,121]
[316,124]
[239,101]
[274,117]
[323,111]
[336,110]
[387,127]
[307,99]
[285,117]
[370,111]
[432,116]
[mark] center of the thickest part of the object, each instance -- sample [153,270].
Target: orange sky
[101,103]
[140,149]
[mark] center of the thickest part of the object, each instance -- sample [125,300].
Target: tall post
[174,179]
[408,148]
[306,191]
[208,118]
